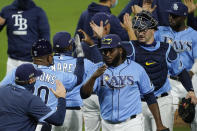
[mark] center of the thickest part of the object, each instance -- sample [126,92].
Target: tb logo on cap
[175,7]
[107,41]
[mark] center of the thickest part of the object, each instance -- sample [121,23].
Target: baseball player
[43,59]
[64,61]
[158,59]
[183,39]
[157,7]
[119,85]
[26,23]
[21,110]
[104,7]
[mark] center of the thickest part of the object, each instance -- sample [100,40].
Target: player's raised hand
[100,71]
[136,9]
[147,5]
[127,24]
[60,90]
[86,38]
[98,30]
[190,5]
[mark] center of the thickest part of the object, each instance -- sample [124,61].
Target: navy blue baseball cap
[25,72]
[101,16]
[178,8]
[113,41]
[41,48]
[62,40]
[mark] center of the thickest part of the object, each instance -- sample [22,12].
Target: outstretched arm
[87,88]
[154,108]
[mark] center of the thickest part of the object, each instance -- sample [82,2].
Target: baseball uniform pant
[12,64]
[166,111]
[178,92]
[194,123]
[72,122]
[91,113]
[135,124]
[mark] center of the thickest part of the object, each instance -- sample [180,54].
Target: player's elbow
[59,123]
[84,94]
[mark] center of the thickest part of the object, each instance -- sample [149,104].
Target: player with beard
[119,85]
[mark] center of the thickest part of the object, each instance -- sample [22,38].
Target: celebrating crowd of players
[117,73]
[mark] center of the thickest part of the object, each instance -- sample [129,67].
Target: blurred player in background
[21,110]
[191,19]
[26,23]
[103,6]
[156,7]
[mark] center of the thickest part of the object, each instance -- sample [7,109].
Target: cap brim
[172,12]
[38,73]
[107,47]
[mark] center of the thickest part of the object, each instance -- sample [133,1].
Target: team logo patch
[107,41]
[117,81]
[175,6]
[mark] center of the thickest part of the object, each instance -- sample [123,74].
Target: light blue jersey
[46,81]
[119,91]
[68,64]
[173,63]
[184,43]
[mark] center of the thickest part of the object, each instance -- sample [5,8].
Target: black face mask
[30,87]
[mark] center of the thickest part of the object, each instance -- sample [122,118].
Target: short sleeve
[145,84]
[174,62]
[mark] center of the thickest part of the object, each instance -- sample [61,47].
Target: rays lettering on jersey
[116,81]
[45,77]
[179,46]
[21,23]
[65,67]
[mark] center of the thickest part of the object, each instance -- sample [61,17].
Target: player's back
[68,64]
[47,81]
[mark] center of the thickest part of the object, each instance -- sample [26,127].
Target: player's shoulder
[164,28]
[192,31]
[7,8]
[135,65]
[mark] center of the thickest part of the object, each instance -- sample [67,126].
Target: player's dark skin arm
[154,108]
[87,88]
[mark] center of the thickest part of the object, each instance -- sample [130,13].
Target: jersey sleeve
[9,78]
[90,72]
[144,83]
[174,62]
[38,110]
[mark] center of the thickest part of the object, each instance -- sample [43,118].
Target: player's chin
[108,61]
